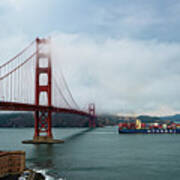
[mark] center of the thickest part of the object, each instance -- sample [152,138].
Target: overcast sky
[123,55]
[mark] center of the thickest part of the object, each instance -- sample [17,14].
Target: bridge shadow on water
[47,156]
[76,135]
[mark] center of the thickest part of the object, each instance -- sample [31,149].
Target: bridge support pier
[43,133]
[43,140]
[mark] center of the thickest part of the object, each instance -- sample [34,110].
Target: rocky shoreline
[28,174]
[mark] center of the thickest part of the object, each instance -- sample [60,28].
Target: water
[100,154]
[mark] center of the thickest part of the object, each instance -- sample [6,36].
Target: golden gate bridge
[29,82]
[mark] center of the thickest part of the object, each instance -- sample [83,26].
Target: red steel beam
[13,106]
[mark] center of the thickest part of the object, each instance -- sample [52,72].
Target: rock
[39,176]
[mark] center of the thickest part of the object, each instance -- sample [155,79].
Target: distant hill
[171,118]
[21,120]
[149,119]
[144,119]
[108,120]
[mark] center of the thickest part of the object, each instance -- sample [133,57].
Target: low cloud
[122,56]
[122,75]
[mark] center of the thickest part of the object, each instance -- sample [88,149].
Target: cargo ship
[137,127]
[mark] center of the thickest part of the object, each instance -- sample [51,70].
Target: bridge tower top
[92,109]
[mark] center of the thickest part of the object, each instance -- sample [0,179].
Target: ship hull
[149,131]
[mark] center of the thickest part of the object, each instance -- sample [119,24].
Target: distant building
[11,162]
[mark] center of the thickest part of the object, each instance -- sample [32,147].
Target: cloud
[99,19]
[123,56]
[119,75]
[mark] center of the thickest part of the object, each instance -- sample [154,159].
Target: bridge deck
[13,106]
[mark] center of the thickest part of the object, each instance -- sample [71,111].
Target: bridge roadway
[14,106]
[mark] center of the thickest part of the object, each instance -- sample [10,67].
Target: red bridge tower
[43,119]
[92,113]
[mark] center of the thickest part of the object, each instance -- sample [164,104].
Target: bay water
[100,153]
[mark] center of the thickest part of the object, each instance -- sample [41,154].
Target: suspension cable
[20,53]
[19,66]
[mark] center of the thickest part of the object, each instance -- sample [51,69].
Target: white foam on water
[44,172]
